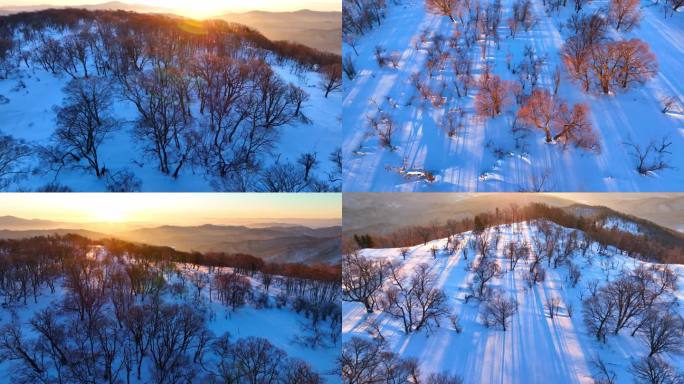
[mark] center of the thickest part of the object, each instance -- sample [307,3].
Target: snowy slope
[29,115]
[535,349]
[486,155]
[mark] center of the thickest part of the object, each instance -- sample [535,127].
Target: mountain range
[374,213]
[275,242]
[316,29]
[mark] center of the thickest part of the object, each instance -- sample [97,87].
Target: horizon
[197,9]
[177,209]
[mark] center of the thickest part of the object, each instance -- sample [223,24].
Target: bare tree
[332,78]
[637,63]
[415,299]
[162,122]
[599,313]
[671,104]
[663,333]
[443,378]
[498,310]
[574,127]
[603,375]
[576,56]
[541,111]
[624,14]
[675,4]
[232,289]
[494,95]
[13,153]
[362,279]
[443,7]
[367,361]
[552,306]
[348,67]
[384,126]
[516,252]
[651,158]
[654,370]
[484,272]
[83,122]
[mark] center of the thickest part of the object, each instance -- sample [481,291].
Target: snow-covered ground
[29,115]
[619,224]
[487,155]
[535,348]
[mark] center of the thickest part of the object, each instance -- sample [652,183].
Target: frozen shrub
[54,187]
[123,181]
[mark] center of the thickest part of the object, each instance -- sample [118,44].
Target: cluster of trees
[652,243]
[360,16]
[411,297]
[242,263]
[477,25]
[171,339]
[635,300]
[369,361]
[641,302]
[164,69]
[594,60]
[114,321]
[559,122]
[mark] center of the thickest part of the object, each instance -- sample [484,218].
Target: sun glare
[109,214]
[197,9]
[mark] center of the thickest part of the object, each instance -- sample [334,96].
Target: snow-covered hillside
[199,305]
[439,143]
[535,347]
[30,94]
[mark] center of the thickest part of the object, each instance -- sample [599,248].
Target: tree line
[653,243]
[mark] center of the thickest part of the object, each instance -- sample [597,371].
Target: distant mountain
[384,213]
[320,30]
[17,223]
[374,213]
[281,243]
[22,234]
[112,5]
[665,209]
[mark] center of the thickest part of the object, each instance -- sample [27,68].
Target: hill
[547,333]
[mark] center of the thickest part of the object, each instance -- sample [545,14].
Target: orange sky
[201,8]
[170,208]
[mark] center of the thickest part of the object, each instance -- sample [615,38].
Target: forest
[501,95]
[76,310]
[209,99]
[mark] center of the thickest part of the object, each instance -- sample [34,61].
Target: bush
[54,187]
[123,181]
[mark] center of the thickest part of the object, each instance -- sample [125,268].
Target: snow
[535,348]
[486,155]
[621,225]
[29,115]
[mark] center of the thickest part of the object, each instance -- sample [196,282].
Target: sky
[170,208]
[201,8]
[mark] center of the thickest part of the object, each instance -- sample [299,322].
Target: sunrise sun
[109,214]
